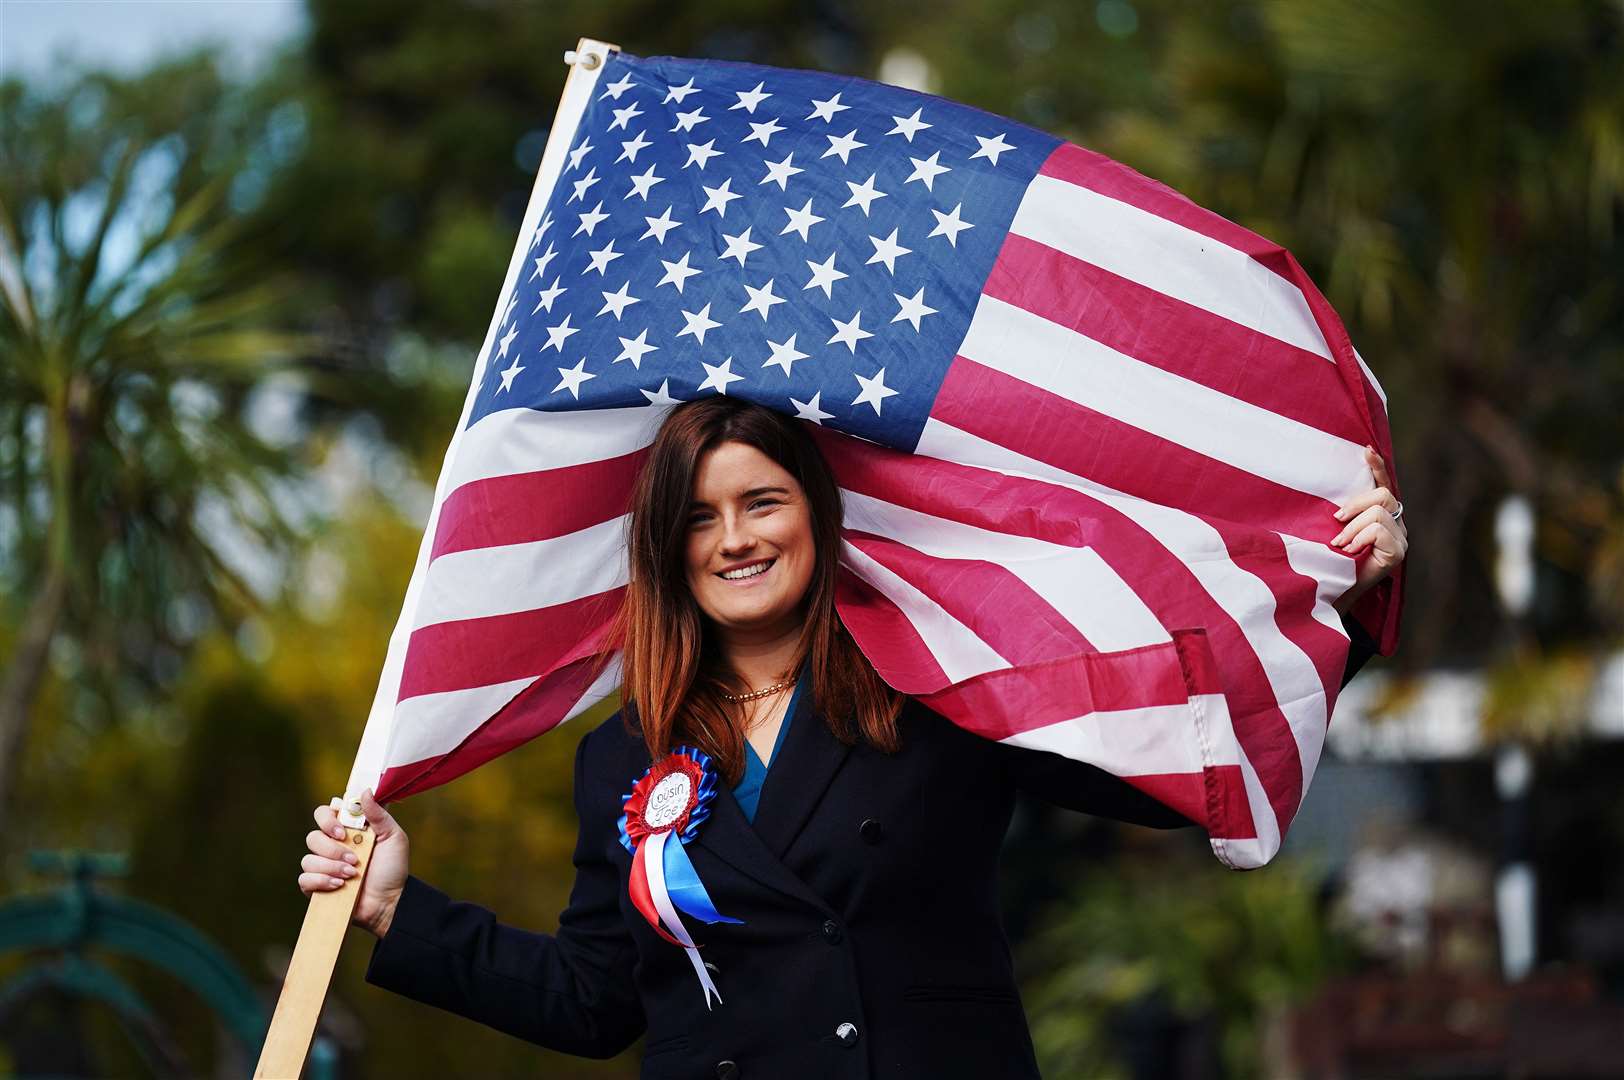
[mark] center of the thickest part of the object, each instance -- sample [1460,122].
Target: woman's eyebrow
[752,493]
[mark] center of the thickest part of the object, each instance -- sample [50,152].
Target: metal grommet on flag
[672,797]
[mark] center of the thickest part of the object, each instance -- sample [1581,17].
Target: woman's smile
[748,574]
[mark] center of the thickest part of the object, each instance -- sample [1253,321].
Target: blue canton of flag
[811,242]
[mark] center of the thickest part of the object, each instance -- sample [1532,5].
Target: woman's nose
[736,534]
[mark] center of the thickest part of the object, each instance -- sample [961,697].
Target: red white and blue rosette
[672,798]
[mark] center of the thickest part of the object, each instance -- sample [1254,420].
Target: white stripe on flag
[1167,257]
[1074,581]
[1074,366]
[1130,742]
[510,578]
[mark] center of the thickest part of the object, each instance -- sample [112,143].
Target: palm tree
[138,319]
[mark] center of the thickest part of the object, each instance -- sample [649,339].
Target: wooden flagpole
[315,954]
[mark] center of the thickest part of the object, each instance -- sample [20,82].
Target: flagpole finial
[588,60]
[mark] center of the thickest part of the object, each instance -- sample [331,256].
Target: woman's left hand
[1368,522]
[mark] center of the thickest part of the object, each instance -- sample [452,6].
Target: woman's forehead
[733,469]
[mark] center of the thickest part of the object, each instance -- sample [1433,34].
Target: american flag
[1089,435]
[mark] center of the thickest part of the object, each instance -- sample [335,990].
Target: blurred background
[248,250]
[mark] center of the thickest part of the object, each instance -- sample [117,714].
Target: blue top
[747,792]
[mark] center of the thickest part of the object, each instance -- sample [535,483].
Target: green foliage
[1211,942]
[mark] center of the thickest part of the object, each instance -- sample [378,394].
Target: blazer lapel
[806,763]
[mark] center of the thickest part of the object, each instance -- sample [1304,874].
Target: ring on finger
[1400,511]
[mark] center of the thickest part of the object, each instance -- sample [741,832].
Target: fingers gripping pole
[311,969]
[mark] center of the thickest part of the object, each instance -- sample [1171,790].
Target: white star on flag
[739,247]
[926,170]
[949,225]
[824,275]
[850,332]
[509,374]
[800,221]
[686,121]
[677,272]
[582,185]
[874,390]
[632,147]
[616,88]
[761,133]
[590,220]
[602,257]
[717,198]
[697,323]
[749,99]
[660,396]
[719,375]
[779,172]
[557,335]
[863,194]
[887,251]
[542,261]
[908,126]
[808,410]
[578,153]
[701,153]
[507,340]
[544,301]
[678,93]
[625,116]
[643,182]
[634,349]
[761,299]
[991,148]
[843,145]
[912,308]
[784,354]
[825,110]
[658,227]
[572,378]
[618,301]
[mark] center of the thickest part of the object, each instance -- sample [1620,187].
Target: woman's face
[748,512]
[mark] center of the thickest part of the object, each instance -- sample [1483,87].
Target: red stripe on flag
[1032,421]
[1097,172]
[1172,335]
[526,507]
[465,653]
[535,710]
[998,607]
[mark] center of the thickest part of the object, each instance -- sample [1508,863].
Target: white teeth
[748,571]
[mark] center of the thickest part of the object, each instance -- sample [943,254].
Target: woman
[858,882]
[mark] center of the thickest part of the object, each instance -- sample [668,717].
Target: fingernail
[338,883]
[1340,514]
[349,857]
[349,871]
[338,832]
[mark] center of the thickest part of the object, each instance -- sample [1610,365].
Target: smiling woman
[763,780]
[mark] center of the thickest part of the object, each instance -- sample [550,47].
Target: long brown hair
[672,669]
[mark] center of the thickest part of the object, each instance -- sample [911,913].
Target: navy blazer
[872,943]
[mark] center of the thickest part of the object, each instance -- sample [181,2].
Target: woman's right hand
[331,863]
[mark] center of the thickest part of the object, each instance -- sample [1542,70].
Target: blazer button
[831,931]
[727,1070]
[870,831]
[848,1034]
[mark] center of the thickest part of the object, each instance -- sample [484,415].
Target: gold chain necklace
[752,695]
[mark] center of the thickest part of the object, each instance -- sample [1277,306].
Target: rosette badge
[671,800]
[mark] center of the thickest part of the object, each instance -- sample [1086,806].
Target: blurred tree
[1140,946]
[136,317]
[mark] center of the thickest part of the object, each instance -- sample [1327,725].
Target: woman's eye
[763,502]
